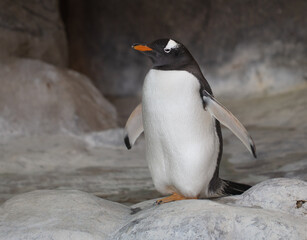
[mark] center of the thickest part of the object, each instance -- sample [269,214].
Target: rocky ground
[99,163]
[273,209]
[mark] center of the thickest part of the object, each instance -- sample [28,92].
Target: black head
[166,54]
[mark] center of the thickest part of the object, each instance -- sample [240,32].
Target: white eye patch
[170,45]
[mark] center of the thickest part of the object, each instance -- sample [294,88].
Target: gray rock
[65,161]
[56,214]
[204,219]
[36,97]
[112,138]
[263,212]
[268,210]
[290,198]
[33,29]
[258,69]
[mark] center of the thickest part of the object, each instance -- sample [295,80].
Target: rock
[240,45]
[278,127]
[260,213]
[33,29]
[112,138]
[62,161]
[258,69]
[209,220]
[290,193]
[36,97]
[56,214]
[266,211]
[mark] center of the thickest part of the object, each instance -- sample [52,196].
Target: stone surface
[244,47]
[64,161]
[259,69]
[277,124]
[33,29]
[36,97]
[263,195]
[48,214]
[263,212]
[210,220]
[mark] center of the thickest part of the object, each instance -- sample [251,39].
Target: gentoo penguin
[181,122]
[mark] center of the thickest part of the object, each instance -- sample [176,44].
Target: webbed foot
[172,198]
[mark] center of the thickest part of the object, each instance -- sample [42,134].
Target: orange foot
[172,198]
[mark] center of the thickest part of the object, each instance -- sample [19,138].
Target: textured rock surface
[264,195]
[33,29]
[36,97]
[245,47]
[59,215]
[77,215]
[68,162]
[278,126]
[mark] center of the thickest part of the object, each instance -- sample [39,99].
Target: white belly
[181,141]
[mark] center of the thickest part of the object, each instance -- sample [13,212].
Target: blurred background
[69,80]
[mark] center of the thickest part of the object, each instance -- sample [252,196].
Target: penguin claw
[159,202]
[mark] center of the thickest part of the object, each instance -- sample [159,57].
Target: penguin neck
[191,67]
[176,66]
[170,67]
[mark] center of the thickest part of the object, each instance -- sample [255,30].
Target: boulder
[36,97]
[33,29]
[290,198]
[270,210]
[56,214]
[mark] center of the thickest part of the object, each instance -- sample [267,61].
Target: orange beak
[141,48]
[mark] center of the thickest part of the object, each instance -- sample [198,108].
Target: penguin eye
[167,50]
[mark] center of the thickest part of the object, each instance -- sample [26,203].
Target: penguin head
[165,53]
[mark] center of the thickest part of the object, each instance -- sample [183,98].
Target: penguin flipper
[134,126]
[223,115]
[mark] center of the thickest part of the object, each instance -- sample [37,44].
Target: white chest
[170,90]
[181,143]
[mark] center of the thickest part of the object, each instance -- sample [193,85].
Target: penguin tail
[233,188]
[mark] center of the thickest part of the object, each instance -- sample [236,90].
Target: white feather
[181,141]
[222,114]
[134,125]
[171,44]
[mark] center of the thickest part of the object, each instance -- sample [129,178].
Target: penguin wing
[134,126]
[223,115]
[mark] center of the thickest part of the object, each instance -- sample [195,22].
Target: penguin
[181,119]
